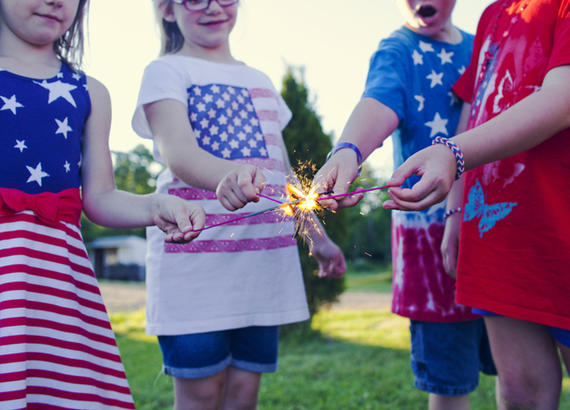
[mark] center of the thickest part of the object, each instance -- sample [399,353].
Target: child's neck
[29,61]
[216,55]
[448,34]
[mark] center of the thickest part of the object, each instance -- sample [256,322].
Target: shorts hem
[254,367]
[443,390]
[196,373]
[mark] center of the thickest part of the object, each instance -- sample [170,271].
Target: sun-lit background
[331,39]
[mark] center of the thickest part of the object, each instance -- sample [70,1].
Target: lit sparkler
[297,200]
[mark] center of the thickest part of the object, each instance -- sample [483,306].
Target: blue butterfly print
[489,214]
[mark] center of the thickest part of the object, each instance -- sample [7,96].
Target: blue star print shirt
[413,75]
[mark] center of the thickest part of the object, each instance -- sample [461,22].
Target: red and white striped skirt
[57,348]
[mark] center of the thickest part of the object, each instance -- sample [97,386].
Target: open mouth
[426,11]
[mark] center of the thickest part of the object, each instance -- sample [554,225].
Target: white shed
[118,257]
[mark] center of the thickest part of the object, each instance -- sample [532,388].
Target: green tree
[135,171]
[307,145]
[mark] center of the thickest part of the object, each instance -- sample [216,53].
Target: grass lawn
[356,359]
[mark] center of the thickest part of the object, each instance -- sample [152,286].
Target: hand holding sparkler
[337,174]
[240,186]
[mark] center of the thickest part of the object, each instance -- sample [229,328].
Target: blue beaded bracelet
[456,151]
[342,145]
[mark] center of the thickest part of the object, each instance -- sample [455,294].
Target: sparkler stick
[239,218]
[322,198]
[290,203]
[271,199]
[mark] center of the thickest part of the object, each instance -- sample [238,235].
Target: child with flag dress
[57,346]
[216,123]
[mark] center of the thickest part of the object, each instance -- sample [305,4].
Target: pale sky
[332,39]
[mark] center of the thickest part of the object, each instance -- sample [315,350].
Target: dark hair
[70,46]
[171,38]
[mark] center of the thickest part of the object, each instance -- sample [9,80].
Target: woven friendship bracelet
[456,151]
[342,145]
[450,212]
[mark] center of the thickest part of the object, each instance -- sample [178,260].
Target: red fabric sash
[49,207]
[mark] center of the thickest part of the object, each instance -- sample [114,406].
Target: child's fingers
[259,180]
[404,171]
[408,200]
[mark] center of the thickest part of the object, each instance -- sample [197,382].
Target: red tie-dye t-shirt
[514,253]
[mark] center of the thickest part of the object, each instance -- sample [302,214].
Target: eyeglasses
[197,5]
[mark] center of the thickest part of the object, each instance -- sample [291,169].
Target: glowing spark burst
[301,202]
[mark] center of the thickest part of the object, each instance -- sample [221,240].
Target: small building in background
[118,257]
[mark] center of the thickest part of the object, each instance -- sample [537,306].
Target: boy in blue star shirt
[408,95]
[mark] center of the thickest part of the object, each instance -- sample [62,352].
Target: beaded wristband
[456,151]
[342,145]
[450,212]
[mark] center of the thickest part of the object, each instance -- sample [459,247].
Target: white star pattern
[435,78]
[226,118]
[445,57]
[452,98]
[10,104]
[36,174]
[21,145]
[58,89]
[421,100]
[461,70]
[426,47]
[63,127]
[437,125]
[67,166]
[417,57]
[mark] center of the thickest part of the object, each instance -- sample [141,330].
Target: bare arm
[523,126]
[370,123]
[234,183]
[450,240]
[104,204]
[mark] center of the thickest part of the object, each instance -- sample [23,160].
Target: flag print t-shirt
[246,272]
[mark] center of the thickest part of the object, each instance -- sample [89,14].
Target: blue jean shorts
[200,355]
[446,358]
[562,336]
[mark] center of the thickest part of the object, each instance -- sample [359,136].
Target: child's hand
[240,186]
[337,174]
[436,166]
[450,245]
[178,218]
[330,258]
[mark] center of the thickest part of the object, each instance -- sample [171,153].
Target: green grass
[371,278]
[356,359]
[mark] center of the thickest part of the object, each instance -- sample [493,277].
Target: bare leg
[199,394]
[242,390]
[439,402]
[529,371]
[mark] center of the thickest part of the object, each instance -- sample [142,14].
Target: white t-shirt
[235,275]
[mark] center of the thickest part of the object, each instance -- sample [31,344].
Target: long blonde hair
[171,38]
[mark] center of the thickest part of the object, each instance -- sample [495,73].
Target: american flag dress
[57,348]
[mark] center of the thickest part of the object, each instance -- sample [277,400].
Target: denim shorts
[562,336]
[200,355]
[446,358]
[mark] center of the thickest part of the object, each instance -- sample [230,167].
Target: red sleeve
[561,43]
[464,87]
